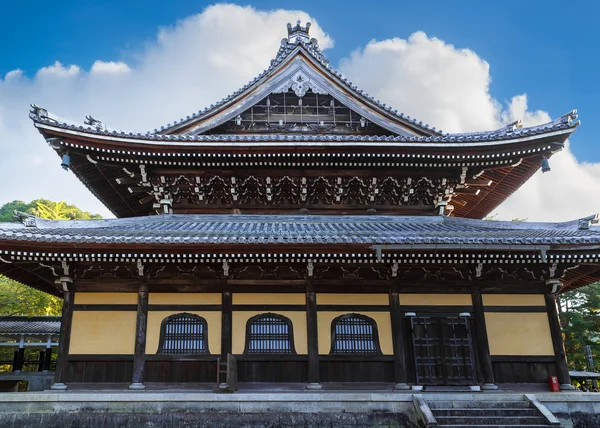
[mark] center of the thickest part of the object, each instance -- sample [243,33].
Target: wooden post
[483,346]
[62,359]
[139,356]
[312,331]
[397,340]
[226,323]
[48,359]
[562,369]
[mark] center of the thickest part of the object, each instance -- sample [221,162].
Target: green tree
[580,321]
[45,208]
[19,299]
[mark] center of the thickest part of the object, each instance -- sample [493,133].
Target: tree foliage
[45,208]
[580,320]
[19,299]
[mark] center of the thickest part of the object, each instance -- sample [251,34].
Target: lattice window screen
[184,334]
[354,335]
[269,334]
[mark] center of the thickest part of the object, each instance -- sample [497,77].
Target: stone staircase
[488,414]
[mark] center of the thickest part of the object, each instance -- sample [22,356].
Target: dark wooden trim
[562,370]
[62,359]
[299,308]
[184,308]
[452,310]
[515,309]
[271,357]
[270,315]
[163,325]
[358,316]
[140,335]
[481,337]
[359,358]
[398,343]
[226,322]
[523,359]
[181,357]
[100,357]
[312,332]
[88,307]
[353,308]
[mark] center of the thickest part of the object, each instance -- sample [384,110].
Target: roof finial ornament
[298,33]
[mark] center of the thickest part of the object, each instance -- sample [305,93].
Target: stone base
[313,387]
[417,387]
[401,387]
[476,388]
[137,386]
[566,387]
[58,386]
[489,387]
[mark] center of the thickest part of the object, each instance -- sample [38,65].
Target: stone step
[493,426]
[493,420]
[507,411]
[467,404]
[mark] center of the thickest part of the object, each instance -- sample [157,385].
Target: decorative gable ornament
[300,83]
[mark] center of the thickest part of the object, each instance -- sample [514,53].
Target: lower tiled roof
[29,326]
[300,229]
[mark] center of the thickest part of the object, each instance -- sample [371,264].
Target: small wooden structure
[309,231]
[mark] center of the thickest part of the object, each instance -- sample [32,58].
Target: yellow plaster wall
[155,318]
[384,328]
[268,299]
[184,299]
[106,298]
[436,300]
[352,299]
[240,318]
[103,332]
[518,333]
[513,300]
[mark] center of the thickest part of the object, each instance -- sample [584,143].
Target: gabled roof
[299,58]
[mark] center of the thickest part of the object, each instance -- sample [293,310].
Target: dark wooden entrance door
[442,350]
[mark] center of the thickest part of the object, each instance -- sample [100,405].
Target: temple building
[300,231]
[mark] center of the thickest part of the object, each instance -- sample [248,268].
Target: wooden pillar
[41,359]
[226,322]
[62,359]
[139,355]
[312,332]
[48,359]
[397,340]
[483,346]
[562,369]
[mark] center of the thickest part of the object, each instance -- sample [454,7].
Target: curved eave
[161,142]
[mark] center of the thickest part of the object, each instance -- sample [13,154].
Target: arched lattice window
[269,334]
[183,334]
[354,334]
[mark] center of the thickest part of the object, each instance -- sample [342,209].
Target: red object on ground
[553,381]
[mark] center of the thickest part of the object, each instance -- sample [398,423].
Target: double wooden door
[442,350]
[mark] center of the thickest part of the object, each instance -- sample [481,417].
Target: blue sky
[547,49]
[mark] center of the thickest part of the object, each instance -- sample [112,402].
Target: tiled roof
[299,229]
[29,326]
[566,122]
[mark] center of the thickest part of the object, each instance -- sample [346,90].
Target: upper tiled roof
[298,229]
[29,326]
[566,123]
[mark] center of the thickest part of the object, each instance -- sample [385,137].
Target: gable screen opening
[354,334]
[269,334]
[183,334]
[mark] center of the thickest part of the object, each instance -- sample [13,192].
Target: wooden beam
[562,369]
[481,336]
[139,360]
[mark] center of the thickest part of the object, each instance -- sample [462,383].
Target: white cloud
[110,67]
[202,58]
